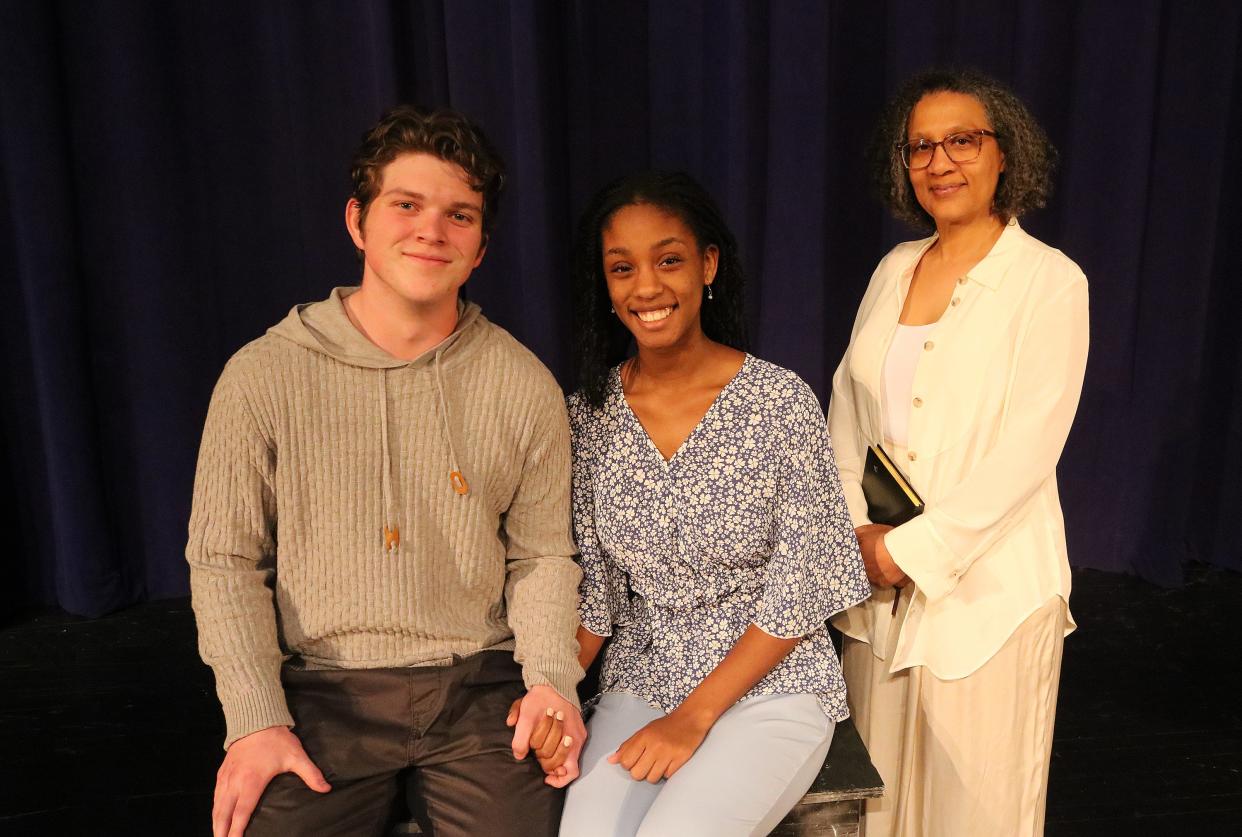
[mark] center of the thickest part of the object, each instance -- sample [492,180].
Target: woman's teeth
[654,316]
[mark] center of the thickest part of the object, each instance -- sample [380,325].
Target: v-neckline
[694,431]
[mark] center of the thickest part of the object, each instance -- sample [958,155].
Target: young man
[379,547]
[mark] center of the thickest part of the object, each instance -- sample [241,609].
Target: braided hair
[600,340]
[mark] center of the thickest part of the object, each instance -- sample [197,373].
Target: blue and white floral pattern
[746,524]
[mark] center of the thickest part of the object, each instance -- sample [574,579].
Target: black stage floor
[110,726]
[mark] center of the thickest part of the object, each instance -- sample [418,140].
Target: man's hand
[659,750]
[531,714]
[881,569]
[548,741]
[250,763]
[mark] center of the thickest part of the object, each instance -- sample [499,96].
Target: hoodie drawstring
[392,533]
[455,476]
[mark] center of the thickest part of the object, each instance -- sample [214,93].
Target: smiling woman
[602,338]
[965,362]
[655,269]
[714,535]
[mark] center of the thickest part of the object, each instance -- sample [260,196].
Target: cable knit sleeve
[541,588]
[231,552]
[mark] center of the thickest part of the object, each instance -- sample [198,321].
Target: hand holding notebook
[891,500]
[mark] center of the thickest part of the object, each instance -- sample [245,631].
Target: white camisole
[898,380]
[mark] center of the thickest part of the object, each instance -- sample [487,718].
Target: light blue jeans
[751,769]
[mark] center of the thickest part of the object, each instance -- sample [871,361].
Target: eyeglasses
[961,147]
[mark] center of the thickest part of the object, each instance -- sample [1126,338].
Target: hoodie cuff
[253,711]
[561,675]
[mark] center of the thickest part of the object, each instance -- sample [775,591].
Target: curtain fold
[173,179]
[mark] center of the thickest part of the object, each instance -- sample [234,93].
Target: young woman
[966,362]
[714,535]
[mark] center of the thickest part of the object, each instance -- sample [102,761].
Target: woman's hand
[658,750]
[548,741]
[882,570]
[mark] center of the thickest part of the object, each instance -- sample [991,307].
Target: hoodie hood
[324,327]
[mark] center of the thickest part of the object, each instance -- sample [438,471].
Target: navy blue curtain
[174,174]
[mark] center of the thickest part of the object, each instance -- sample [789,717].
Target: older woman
[965,363]
[714,534]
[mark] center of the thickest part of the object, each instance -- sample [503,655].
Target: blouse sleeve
[815,569]
[848,446]
[843,425]
[603,595]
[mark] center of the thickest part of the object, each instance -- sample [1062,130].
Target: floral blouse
[745,524]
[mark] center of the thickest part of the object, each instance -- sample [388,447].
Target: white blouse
[899,366]
[999,383]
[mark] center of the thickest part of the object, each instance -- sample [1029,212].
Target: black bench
[832,806]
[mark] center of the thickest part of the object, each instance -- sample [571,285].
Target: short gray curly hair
[1026,182]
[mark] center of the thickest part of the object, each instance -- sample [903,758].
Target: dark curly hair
[1026,182]
[601,340]
[443,133]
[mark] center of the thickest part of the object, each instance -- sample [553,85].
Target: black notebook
[890,499]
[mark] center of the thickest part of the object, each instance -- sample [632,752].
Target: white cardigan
[996,389]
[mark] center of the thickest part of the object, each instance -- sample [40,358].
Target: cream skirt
[960,757]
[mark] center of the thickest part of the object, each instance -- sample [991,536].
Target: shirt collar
[907,272]
[991,269]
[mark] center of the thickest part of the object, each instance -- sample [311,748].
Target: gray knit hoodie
[421,510]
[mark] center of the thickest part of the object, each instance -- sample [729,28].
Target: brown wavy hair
[442,133]
[1026,182]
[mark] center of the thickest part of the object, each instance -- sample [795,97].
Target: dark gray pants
[432,736]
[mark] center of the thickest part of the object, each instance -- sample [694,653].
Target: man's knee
[288,808]
[489,794]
